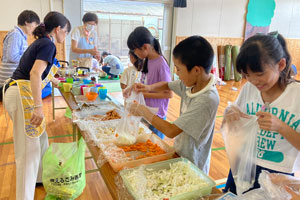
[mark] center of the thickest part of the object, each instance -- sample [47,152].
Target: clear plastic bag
[111,152]
[128,127]
[240,143]
[272,186]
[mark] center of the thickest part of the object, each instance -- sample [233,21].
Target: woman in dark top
[23,102]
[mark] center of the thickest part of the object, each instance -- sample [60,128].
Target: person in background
[132,74]
[95,65]
[155,69]
[265,62]
[193,130]
[15,44]
[23,102]
[84,38]
[112,65]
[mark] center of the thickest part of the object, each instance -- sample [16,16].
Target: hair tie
[273,34]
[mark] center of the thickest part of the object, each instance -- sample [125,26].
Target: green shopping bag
[64,170]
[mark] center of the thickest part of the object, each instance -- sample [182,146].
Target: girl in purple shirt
[155,69]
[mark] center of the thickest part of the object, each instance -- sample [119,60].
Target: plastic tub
[102,93]
[67,87]
[134,163]
[76,90]
[166,165]
[69,80]
[85,81]
[91,96]
[86,90]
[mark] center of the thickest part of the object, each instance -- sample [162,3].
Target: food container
[86,90]
[103,132]
[76,89]
[91,96]
[102,93]
[67,87]
[69,80]
[86,81]
[134,163]
[206,190]
[100,109]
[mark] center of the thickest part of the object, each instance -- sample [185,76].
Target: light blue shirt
[14,45]
[116,66]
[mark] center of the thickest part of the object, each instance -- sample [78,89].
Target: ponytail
[156,46]
[39,31]
[51,21]
[285,76]
[145,67]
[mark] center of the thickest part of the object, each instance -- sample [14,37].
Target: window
[117,19]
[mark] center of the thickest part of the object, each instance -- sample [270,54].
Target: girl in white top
[132,74]
[266,64]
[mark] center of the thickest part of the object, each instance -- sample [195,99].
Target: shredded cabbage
[165,183]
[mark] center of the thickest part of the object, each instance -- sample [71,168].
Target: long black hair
[265,49]
[51,21]
[138,64]
[140,36]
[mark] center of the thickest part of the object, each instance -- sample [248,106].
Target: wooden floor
[95,187]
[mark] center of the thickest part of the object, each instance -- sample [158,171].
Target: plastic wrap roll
[234,52]
[228,63]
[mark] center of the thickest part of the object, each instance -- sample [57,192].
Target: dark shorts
[230,184]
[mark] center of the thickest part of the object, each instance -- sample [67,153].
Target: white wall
[10,9]
[215,18]
[226,18]
[73,10]
[286,19]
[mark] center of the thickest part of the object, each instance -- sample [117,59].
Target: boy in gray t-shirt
[193,130]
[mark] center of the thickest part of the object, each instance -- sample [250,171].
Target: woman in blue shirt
[15,44]
[23,102]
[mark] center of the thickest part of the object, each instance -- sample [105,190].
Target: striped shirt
[14,45]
